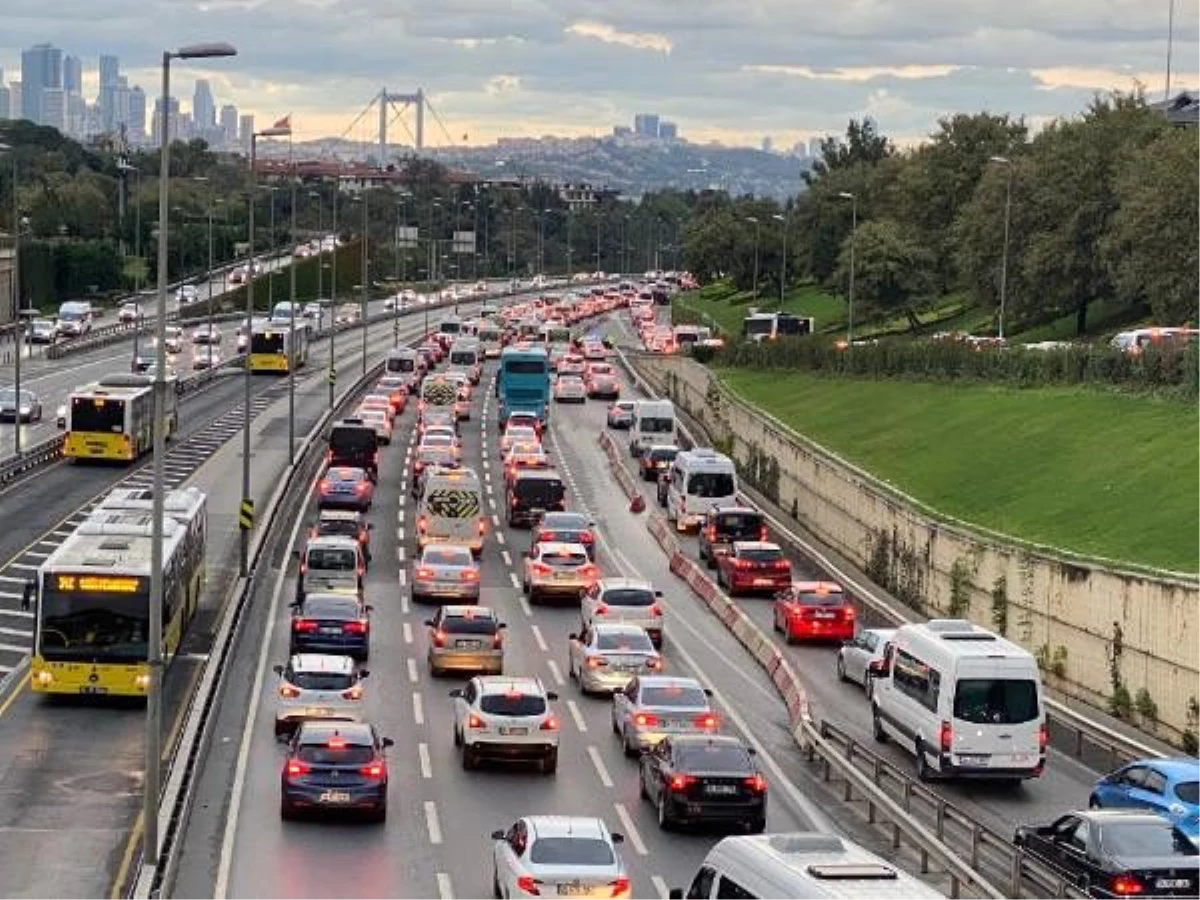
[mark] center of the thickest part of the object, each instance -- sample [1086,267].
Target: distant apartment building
[15,96]
[136,122]
[229,125]
[622,131]
[245,130]
[668,131]
[581,196]
[54,108]
[646,125]
[41,71]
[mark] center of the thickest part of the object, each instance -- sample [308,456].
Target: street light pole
[363,279]
[16,300]
[783,264]
[209,285]
[151,783]
[853,198]
[1007,163]
[292,319]
[756,227]
[337,187]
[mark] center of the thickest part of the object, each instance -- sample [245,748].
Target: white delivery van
[75,318]
[331,563]
[801,865]
[698,480]
[450,509]
[465,357]
[653,423]
[964,701]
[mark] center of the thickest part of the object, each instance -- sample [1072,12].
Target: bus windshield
[105,627]
[525,367]
[270,342]
[764,326]
[97,414]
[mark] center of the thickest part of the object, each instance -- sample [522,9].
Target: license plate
[93,689]
[563,576]
[468,645]
[763,582]
[332,630]
[723,789]
[973,759]
[572,890]
[319,712]
[536,511]
[514,731]
[335,797]
[1164,884]
[825,615]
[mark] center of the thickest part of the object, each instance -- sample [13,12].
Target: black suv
[533,492]
[725,524]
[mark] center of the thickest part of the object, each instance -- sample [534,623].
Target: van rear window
[711,484]
[995,701]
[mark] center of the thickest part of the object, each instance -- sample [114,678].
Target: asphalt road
[436,840]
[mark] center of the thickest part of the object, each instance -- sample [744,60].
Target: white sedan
[558,856]
[854,657]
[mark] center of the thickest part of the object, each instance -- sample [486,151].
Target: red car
[814,610]
[753,567]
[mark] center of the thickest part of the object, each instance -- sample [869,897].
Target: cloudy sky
[727,70]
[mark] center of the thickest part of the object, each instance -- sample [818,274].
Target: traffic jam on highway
[465,593]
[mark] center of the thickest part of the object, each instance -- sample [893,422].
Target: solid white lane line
[412,670]
[556,672]
[573,707]
[426,765]
[446,889]
[631,832]
[601,769]
[432,823]
[541,641]
[418,708]
[407,633]
[660,885]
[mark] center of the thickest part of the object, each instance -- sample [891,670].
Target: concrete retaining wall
[1085,620]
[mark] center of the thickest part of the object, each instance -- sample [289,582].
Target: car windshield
[1145,839]
[761,554]
[345,475]
[656,425]
[629,597]
[815,599]
[571,851]
[626,641]
[564,558]
[469,624]
[738,525]
[447,556]
[659,454]
[324,755]
[713,758]
[995,701]
[513,703]
[1188,792]
[331,607]
[337,559]
[674,695]
[338,527]
[710,484]
[321,681]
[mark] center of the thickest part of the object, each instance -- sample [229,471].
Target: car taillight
[596,662]
[654,663]
[756,783]
[1126,886]
[304,625]
[421,523]
[762,533]
[498,640]
[681,782]
[359,627]
[587,538]
[550,724]
[286,690]
[656,610]
[468,575]
[374,770]
[354,693]
[741,563]
[482,527]
[295,769]
[644,720]
[620,886]
[473,721]
[326,487]
[1043,737]
[328,456]
[708,720]
[602,610]
[783,565]
[540,568]
[946,736]
[710,533]
[589,571]
[439,638]
[424,573]
[527,884]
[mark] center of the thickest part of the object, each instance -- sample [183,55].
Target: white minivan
[698,480]
[964,701]
[799,864]
[653,423]
[450,509]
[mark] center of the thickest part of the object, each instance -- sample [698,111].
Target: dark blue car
[331,623]
[1168,787]
[335,767]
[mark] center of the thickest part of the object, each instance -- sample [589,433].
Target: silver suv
[465,639]
[503,718]
[318,686]
[625,601]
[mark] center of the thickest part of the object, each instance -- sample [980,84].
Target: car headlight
[25,410]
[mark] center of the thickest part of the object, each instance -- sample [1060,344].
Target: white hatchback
[318,686]
[506,718]
[558,856]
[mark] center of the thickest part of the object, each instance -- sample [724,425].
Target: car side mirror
[752,751]
[456,693]
[296,553]
[551,695]
[369,608]
[278,670]
[617,837]
[497,835]
[708,692]
[364,673]
[658,594]
[572,637]
[429,623]
[370,526]
[675,894]
[388,742]
[502,625]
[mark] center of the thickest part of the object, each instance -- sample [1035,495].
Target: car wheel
[664,818]
[924,772]
[549,764]
[458,740]
[841,668]
[527,588]
[881,736]
[468,758]
[615,727]
[496,884]
[630,750]
[378,816]
[869,688]
[642,792]
[286,810]
[756,826]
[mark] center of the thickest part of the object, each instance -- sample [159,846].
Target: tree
[892,272]
[863,145]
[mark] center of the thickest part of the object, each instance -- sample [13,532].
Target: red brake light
[374,770]
[540,568]
[620,886]
[482,527]
[359,627]
[473,721]
[551,724]
[336,743]
[681,782]
[708,720]
[439,638]
[423,572]
[304,625]
[354,693]
[654,663]
[710,533]
[597,662]
[421,523]
[587,538]
[295,769]
[286,690]
[1127,885]
[644,720]
[468,575]
[656,610]
[756,783]
[589,571]
[946,736]
[762,533]
[528,884]
[326,487]
[498,640]
[1043,737]
[602,609]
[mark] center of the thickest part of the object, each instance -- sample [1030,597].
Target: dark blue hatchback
[335,768]
[331,623]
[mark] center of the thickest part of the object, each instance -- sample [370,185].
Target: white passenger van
[466,357]
[964,701]
[403,361]
[450,509]
[653,423]
[698,480]
[800,864]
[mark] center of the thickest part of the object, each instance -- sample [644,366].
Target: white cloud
[609,35]
[502,84]
[859,73]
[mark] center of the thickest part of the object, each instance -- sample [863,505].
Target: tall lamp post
[1008,166]
[783,264]
[209,286]
[853,198]
[757,225]
[366,241]
[18,329]
[124,167]
[151,783]
[337,188]
[281,129]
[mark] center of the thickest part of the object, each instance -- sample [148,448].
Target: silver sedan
[651,707]
[446,572]
[855,656]
[605,658]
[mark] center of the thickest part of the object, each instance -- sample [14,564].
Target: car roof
[339,515]
[707,740]
[316,732]
[1174,766]
[556,515]
[736,510]
[619,583]
[538,474]
[326,596]
[755,545]
[818,587]
[342,470]
[680,681]
[1130,816]
[617,628]
[502,684]
[336,541]
[469,612]
[459,549]
[322,662]
[567,826]
[561,547]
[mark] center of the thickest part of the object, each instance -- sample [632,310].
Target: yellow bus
[113,419]
[93,595]
[271,347]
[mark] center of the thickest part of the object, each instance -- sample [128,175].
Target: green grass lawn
[720,304]
[1092,472]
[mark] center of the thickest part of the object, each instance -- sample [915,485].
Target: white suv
[624,601]
[499,717]
[318,686]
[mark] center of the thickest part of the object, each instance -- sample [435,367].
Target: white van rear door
[997,715]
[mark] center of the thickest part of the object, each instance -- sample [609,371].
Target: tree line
[1099,207]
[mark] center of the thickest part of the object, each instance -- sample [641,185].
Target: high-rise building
[172,121]
[229,125]
[15,96]
[54,108]
[668,131]
[136,125]
[72,75]
[110,79]
[5,106]
[245,130]
[646,124]
[204,110]
[77,115]
[768,144]
[814,147]
[41,70]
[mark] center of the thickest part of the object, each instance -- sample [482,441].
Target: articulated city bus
[93,595]
[271,346]
[114,418]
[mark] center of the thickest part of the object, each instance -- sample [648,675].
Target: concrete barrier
[1085,619]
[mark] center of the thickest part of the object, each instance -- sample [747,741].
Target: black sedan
[335,767]
[29,409]
[1116,853]
[331,623]
[696,778]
